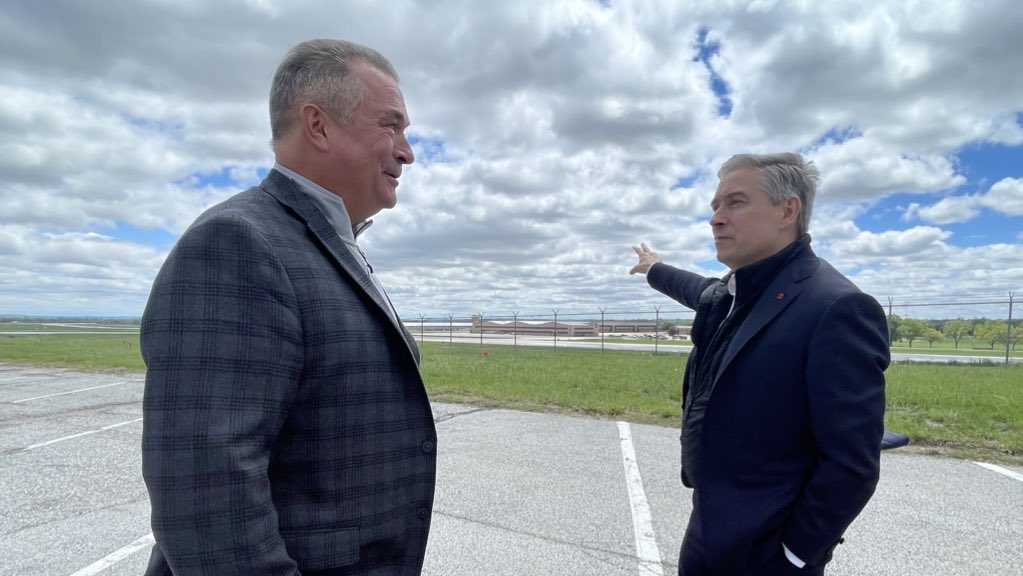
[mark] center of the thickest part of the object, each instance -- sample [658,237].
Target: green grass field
[616,384]
[967,410]
[85,351]
[959,410]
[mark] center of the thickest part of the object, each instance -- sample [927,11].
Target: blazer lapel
[778,295]
[287,193]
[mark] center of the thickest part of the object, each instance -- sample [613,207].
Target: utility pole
[602,328]
[481,330]
[555,329]
[515,329]
[657,326]
[1008,330]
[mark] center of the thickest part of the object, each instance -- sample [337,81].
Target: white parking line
[15,378]
[75,391]
[646,542]
[1000,470]
[80,434]
[116,556]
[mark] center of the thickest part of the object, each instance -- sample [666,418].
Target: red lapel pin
[779,296]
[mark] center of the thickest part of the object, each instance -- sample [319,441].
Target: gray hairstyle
[782,176]
[320,72]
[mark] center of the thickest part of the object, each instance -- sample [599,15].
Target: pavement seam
[453,415]
[144,497]
[552,539]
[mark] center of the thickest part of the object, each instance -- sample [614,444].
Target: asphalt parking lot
[518,494]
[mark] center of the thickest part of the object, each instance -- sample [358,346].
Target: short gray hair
[782,176]
[320,72]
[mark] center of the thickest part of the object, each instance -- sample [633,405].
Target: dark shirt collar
[751,280]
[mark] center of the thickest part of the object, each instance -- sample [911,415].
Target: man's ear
[314,123]
[790,211]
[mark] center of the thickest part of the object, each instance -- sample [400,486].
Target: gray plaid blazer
[286,426]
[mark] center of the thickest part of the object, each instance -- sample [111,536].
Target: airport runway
[518,494]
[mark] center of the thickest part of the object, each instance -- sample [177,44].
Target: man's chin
[388,199]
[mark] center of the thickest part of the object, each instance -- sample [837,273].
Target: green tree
[990,331]
[1017,334]
[932,335]
[911,328]
[956,330]
[894,328]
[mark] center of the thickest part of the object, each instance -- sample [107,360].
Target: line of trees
[990,332]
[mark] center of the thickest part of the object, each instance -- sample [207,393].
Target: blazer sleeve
[847,356]
[222,343]
[681,286]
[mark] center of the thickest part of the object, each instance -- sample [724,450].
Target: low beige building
[535,327]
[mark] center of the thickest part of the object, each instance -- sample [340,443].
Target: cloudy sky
[550,137]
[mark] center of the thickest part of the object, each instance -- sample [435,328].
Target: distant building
[535,327]
[640,326]
[680,331]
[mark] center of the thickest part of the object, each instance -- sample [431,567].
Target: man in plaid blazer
[286,426]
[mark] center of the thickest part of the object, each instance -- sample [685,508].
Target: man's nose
[403,151]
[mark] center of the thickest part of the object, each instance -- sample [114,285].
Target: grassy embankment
[959,410]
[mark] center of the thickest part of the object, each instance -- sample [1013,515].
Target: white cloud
[919,265]
[86,269]
[866,168]
[557,135]
[1006,196]
[946,211]
[984,273]
[915,242]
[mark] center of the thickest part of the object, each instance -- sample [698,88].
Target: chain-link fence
[599,328]
[989,327]
[984,328]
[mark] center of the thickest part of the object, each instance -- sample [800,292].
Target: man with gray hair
[783,395]
[286,426]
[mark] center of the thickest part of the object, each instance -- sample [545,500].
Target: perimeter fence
[978,327]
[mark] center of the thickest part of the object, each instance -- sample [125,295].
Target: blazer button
[428,446]
[423,513]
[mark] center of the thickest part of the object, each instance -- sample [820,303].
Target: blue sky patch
[686,181]
[158,238]
[218,179]
[154,125]
[986,164]
[428,150]
[705,50]
[987,227]
[836,135]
